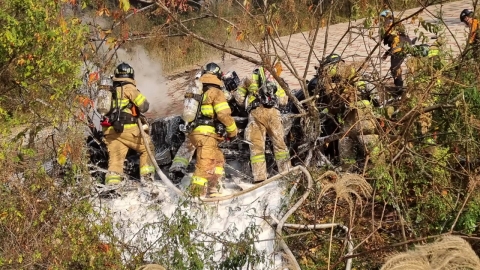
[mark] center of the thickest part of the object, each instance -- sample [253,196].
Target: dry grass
[448,253]
[151,267]
[349,187]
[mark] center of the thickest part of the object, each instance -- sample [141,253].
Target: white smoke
[148,70]
[149,78]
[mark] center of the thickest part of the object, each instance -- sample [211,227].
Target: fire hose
[169,183]
[280,224]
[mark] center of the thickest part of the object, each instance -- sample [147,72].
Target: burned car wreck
[168,135]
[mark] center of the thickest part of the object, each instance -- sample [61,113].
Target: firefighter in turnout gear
[473,42]
[262,96]
[120,126]
[185,153]
[395,37]
[214,116]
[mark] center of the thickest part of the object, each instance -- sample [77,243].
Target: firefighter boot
[147,178]
[198,187]
[215,187]
[113,178]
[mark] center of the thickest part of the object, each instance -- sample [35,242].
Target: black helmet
[465,13]
[332,59]
[124,70]
[214,69]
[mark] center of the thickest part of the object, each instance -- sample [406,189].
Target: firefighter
[263,95]
[214,116]
[473,42]
[336,79]
[395,37]
[185,153]
[120,126]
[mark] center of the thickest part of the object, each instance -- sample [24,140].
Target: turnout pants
[262,121]
[118,145]
[209,166]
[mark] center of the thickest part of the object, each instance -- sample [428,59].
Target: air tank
[190,105]
[104,96]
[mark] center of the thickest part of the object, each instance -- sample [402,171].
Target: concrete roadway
[354,46]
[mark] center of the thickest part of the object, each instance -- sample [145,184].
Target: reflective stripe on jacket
[250,88]
[215,106]
[130,95]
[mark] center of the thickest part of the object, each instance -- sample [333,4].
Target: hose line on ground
[165,179]
[169,183]
[348,265]
[281,223]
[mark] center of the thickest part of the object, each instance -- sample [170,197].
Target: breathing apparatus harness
[266,94]
[116,117]
[200,119]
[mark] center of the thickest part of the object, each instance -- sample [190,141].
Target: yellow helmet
[210,79]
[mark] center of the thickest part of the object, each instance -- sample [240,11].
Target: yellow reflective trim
[221,106]
[231,127]
[360,83]
[253,88]
[181,160]
[113,177]
[332,70]
[124,126]
[280,93]
[433,52]
[121,103]
[282,155]
[363,103]
[205,129]
[204,97]
[207,110]
[147,169]
[219,171]
[139,100]
[207,107]
[353,71]
[257,159]
[262,74]
[197,180]
[242,91]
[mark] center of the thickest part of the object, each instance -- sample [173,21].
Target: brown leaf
[240,36]
[278,68]
[92,77]
[269,29]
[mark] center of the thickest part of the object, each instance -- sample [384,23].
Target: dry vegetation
[408,191]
